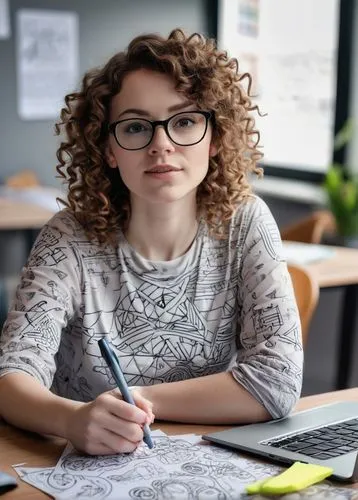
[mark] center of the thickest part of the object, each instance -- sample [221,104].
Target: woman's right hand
[109,425]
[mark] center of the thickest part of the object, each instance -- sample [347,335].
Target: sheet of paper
[37,477]
[305,253]
[179,467]
[47,61]
[4,19]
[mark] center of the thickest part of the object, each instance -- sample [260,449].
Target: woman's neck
[163,232]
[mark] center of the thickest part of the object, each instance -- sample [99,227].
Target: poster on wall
[290,49]
[4,19]
[47,61]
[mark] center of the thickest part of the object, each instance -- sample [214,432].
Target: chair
[311,229]
[306,290]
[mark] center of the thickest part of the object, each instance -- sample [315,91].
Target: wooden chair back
[306,290]
[311,229]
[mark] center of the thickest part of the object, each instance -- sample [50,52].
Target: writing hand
[108,425]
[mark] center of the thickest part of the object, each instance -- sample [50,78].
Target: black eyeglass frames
[184,129]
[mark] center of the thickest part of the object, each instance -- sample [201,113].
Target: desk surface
[339,270]
[18,447]
[20,215]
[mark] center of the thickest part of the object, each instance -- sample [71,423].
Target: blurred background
[303,57]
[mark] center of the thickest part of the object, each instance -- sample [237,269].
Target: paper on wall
[4,19]
[47,61]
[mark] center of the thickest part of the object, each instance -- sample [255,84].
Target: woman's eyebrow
[182,105]
[133,111]
[142,112]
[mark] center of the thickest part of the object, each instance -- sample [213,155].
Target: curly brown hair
[207,76]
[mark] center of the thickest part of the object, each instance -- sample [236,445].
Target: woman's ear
[213,150]
[111,159]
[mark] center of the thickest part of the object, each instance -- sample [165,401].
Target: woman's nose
[160,142]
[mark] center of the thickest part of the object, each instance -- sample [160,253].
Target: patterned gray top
[224,305]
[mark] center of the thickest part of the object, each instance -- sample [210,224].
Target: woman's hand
[109,425]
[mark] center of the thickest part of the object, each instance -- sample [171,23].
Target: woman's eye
[184,122]
[135,128]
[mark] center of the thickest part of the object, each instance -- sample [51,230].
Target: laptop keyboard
[324,442]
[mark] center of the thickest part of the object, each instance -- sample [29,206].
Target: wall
[105,27]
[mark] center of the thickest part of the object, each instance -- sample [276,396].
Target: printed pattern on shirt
[225,303]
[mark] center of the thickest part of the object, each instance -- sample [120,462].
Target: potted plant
[341,187]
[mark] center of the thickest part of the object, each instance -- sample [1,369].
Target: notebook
[326,435]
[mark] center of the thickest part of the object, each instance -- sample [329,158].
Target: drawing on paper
[179,467]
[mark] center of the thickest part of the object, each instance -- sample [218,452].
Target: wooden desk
[341,270]
[25,217]
[19,215]
[17,446]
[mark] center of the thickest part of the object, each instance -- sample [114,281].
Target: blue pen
[113,364]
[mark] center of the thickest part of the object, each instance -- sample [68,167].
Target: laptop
[326,435]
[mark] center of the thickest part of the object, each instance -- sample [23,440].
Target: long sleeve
[270,358]
[44,303]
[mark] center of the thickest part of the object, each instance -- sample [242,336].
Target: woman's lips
[163,171]
[160,169]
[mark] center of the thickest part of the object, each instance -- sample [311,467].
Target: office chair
[310,229]
[306,290]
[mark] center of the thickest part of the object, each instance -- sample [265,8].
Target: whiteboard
[290,48]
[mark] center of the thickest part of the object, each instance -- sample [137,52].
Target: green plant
[341,186]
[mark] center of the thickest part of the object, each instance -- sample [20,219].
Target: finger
[121,409]
[142,402]
[98,449]
[123,428]
[117,444]
[145,405]
[150,418]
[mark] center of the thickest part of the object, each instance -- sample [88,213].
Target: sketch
[36,476]
[178,468]
[57,484]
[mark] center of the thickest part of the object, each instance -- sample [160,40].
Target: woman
[162,249]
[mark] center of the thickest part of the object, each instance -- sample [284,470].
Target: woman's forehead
[150,91]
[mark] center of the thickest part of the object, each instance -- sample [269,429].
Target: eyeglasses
[184,129]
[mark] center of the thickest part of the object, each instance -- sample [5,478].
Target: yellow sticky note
[254,488]
[295,478]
